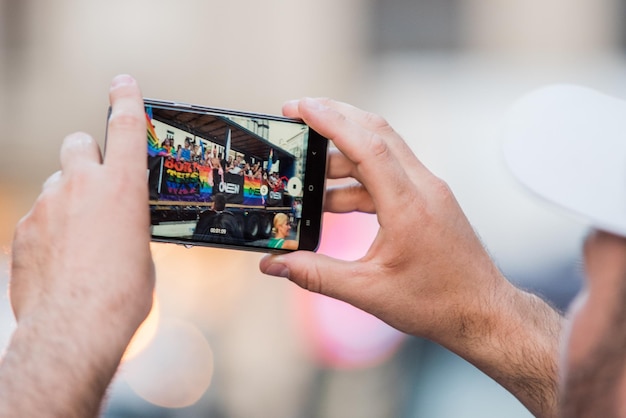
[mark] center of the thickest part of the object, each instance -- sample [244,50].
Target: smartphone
[233,179]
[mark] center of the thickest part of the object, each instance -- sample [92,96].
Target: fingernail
[293,102]
[277,269]
[79,139]
[122,80]
[314,104]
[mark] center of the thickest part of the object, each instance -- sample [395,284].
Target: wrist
[88,328]
[81,360]
[512,336]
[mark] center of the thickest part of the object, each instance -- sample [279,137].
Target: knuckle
[378,146]
[30,227]
[440,199]
[441,189]
[311,282]
[377,122]
[431,200]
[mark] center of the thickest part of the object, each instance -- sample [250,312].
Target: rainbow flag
[205,176]
[154,146]
[252,192]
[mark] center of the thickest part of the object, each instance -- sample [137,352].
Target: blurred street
[226,341]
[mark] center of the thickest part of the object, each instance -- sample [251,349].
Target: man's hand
[426,273]
[82,276]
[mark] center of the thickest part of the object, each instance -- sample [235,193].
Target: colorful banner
[184,181]
[173,180]
[180,180]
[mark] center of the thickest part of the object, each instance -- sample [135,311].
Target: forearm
[514,338]
[46,373]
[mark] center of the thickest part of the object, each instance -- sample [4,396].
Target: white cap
[568,145]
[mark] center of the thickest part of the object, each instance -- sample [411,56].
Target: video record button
[294,186]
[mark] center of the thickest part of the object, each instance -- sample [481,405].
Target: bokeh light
[342,336]
[202,285]
[338,334]
[175,370]
[347,236]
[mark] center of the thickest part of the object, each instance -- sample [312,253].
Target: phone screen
[233,179]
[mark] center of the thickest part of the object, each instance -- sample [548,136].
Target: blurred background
[237,343]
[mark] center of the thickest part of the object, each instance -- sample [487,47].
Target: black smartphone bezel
[316,160]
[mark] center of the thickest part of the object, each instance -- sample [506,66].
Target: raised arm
[426,273]
[82,276]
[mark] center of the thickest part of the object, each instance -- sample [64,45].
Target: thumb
[314,272]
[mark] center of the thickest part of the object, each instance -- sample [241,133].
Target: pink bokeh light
[338,334]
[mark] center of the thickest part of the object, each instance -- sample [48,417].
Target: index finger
[370,122]
[126,132]
[376,165]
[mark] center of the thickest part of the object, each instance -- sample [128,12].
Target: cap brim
[568,145]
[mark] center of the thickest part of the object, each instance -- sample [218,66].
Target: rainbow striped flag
[154,147]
